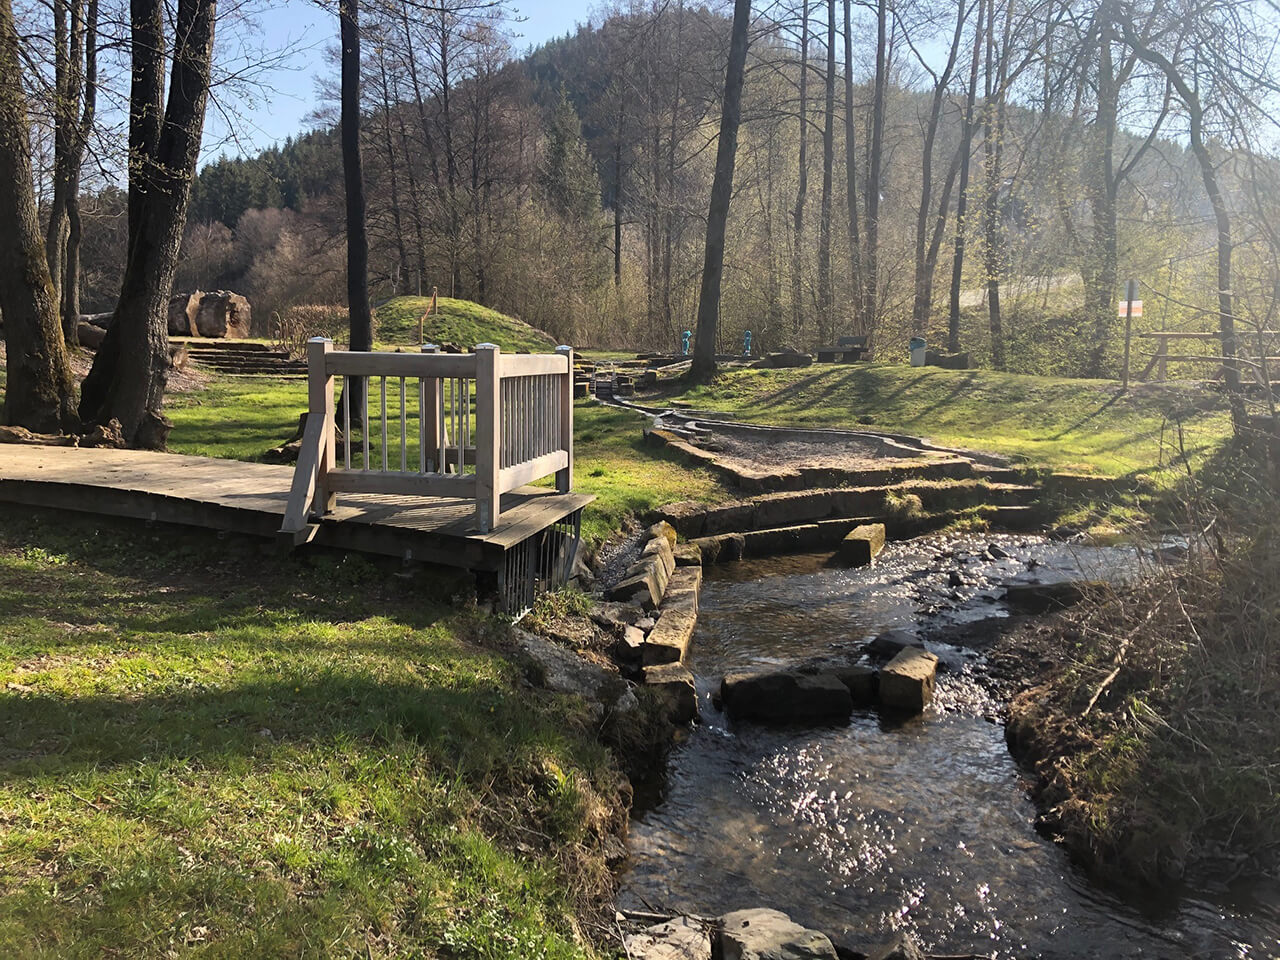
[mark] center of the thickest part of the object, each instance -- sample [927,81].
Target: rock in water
[785,696]
[770,935]
[679,939]
[906,681]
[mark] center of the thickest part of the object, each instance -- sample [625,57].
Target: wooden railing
[464,426]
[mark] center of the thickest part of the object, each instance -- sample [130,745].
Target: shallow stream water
[874,825]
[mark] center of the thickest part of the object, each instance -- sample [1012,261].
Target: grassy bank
[242,419]
[205,747]
[1066,424]
[1157,736]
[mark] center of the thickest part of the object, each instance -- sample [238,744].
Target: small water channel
[874,825]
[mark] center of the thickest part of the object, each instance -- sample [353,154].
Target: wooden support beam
[564,476]
[488,437]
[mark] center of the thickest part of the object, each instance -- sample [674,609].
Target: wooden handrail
[521,428]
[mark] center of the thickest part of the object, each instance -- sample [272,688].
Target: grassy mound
[204,751]
[460,322]
[1061,423]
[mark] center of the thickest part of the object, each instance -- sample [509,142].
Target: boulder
[659,550]
[907,681]
[679,939]
[785,696]
[560,670]
[674,685]
[224,314]
[688,517]
[614,616]
[779,361]
[859,680]
[183,308]
[861,545]
[91,336]
[688,555]
[889,644]
[662,530]
[630,648]
[1043,597]
[770,935]
[641,588]
[901,947]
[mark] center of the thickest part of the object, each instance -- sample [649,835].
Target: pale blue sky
[290,94]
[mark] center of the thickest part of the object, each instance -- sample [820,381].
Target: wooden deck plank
[251,498]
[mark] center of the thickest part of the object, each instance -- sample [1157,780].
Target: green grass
[206,748]
[459,322]
[1060,423]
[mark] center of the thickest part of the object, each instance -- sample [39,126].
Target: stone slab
[907,681]
[861,545]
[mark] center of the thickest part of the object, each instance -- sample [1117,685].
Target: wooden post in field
[1131,296]
[564,478]
[320,402]
[422,320]
[488,437]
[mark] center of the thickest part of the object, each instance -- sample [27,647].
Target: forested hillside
[982,194]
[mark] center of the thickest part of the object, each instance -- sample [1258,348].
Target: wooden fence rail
[486,423]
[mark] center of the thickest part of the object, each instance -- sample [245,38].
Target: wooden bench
[846,350]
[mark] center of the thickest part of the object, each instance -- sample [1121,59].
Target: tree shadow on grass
[466,729]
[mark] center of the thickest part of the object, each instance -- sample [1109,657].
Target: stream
[874,825]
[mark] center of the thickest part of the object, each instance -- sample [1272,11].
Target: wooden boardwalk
[250,498]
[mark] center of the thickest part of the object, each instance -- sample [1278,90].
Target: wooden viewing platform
[456,495]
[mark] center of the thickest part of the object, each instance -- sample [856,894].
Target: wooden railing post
[320,400]
[564,478]
[488,436]
[430,402]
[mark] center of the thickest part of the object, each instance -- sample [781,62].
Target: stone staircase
[241,357]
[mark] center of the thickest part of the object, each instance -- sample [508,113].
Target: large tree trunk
[826,295]
[704,353]
[65,117]
[962,199]
[851,174]
[128,378]
[993,149]
[802,188]
[359,311]
[39,393]
[871,280]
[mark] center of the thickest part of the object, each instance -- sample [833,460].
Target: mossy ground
[213,750]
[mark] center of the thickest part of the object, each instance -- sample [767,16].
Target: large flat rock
[679,939]
[770,935]
[785,696]
[668,641]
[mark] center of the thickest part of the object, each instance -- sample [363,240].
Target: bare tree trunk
[962,200]
[1222,218]
[389,146]
[851,174]
[71,268]
[826,295]
[993,150]
[871,279]
[922,305]
[802,189]
[128,378]
[360,313]
[704,353]
[65,118]
[40,392]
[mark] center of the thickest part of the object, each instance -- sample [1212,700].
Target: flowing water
[874,825]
